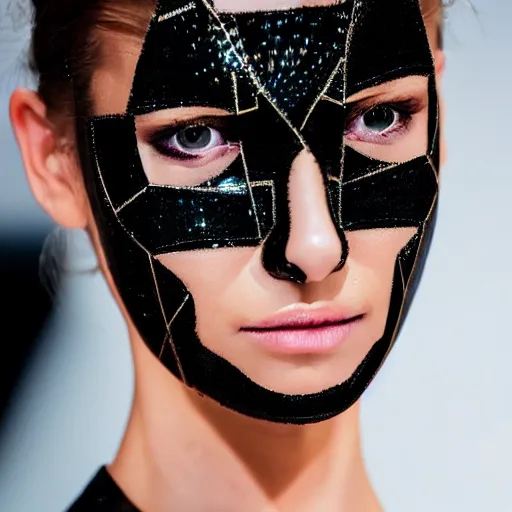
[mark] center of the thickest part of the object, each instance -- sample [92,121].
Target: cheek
[214,278]
[377,247]
[373,253]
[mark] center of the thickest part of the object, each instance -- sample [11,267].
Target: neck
[184,452]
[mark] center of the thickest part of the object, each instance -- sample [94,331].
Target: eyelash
[404,111]
[160,140]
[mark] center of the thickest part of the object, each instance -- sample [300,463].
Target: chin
[304,376]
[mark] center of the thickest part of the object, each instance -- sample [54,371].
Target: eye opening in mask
[201,135]
[381,121]
[389,122]
[186,149]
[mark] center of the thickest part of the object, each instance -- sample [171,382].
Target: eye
[187,151]
[380,119]
[379,124]
[196,138]
[194,141]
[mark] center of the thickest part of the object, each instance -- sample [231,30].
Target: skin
[184,452]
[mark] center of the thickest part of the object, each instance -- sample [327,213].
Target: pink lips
[303,330]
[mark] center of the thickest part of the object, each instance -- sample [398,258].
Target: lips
[303,329]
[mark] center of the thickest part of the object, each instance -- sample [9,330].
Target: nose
[314,244]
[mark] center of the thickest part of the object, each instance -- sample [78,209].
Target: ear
[50,164]
[440,64]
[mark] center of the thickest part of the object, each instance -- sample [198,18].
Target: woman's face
[295,219]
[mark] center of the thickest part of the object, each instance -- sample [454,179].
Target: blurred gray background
[438,419]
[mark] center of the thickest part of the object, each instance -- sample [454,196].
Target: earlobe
[51,170]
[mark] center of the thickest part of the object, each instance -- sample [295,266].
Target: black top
[102,495]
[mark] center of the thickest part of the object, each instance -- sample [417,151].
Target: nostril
[344,250]
[275,261]
[319,254]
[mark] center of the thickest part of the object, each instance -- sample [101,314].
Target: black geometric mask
[286,74]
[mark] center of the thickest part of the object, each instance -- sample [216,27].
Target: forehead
[187,37]
[267,5]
